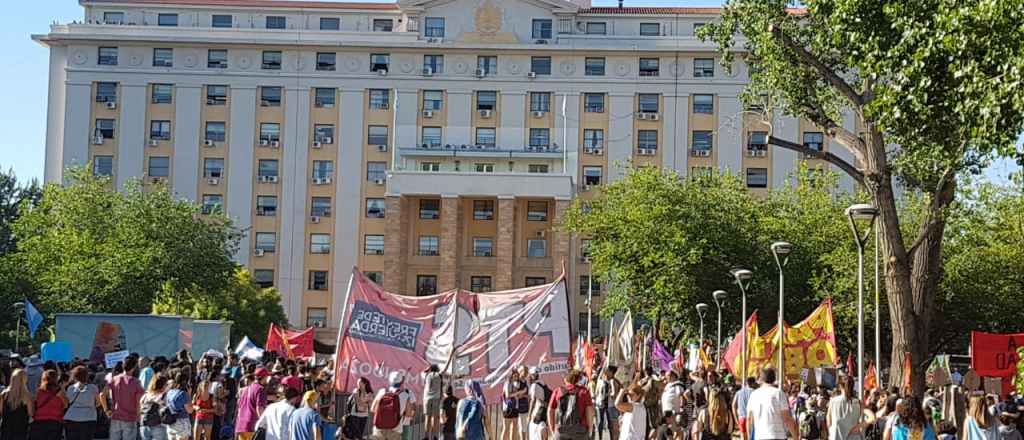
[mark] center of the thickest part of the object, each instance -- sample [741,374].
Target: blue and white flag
[248,350]
[33,317]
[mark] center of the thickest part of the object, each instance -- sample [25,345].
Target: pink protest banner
[492,332]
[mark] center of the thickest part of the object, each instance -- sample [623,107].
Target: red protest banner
[994,355]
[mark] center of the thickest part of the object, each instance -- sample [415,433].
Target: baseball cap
[534,370]
[261,373]
[396,377]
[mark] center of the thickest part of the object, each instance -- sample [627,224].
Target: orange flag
[907,367]
[870,379]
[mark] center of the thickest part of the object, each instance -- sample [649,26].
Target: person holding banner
[431,400]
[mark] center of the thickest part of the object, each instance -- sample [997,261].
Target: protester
[946,430]
[812,421]
[1007,429]
[205,404]
[538,428]
[715,421]
[629,402]
[768,413]
[146,371]
[522,385]
[911,422]
[667,429]
[83,399]
[180,404]
[648,383]
[304,423]
[571,409]
[846,415]
[980,423]
[510,406]
[155,398]
[471,416]
[276,419]
[125,392]
[672,395]
[540,395]
[51,399]
[252,401]
[359,410]
[449,410]
[391,408]
[431,401]
[17,407]
[607,413]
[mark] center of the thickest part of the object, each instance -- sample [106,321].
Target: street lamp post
[719,296]
[861,213]
[781,250]
[743,277]
[18,307]
[701,311]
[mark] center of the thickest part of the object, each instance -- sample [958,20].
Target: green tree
[942,79]
[89,248]
[12,195]
[242,301]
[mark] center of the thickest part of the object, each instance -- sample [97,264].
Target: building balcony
[479,151]
[534,263]
[468,183]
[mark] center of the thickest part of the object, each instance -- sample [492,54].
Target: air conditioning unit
[382,72]
[317,144]
[481,147]
[314,219]
[424,145]
[485,114]
[762,153]
[541,42]
[380,215]
[807,156]
[261,211]
[328,105]
[538,114]
[212,181]
[652,117]
[326,181]
[542,233]
[97,140]
[480,73]
[264,142]
[264,103]
[705,153]
[378,182]
[433,40]
[272,179]
[428,113]
[208,143]
[531,74]
[211,102]
[316,181]
[376,251]
[318,104]
[261,178]
[584,187]
[257,252]
[383,106]
[585,260]
[641,116]
[275,144]
[318,324]
[461,147]
[327,140]
[694,153]
[588,151]
[428,71]
[598,109]
[111,105]
[382,148]
[531,148]
[153,143]
[751,153]
[222,65]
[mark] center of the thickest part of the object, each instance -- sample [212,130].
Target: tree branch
[823,155]
[855,98]
[944,192]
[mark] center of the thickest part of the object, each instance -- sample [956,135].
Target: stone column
[396,244]
[448,245]
[506,243]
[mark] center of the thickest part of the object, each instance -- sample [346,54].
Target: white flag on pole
[626,338]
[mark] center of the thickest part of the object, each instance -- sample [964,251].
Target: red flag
[849,365]
[906,372]
[588,359]
[870,379]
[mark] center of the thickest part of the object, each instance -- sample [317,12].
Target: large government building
[431,143]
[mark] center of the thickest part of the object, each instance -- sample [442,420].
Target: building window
[375,208]
[703,68]
[323,169]
[426,285]
[536,248]
[484,167]
[113,17]
[270,132]
[593,139]
[434,27]
[106,92]
[537,168]
[585,249]
[379,98]
[105,128]
[483,246]
[537,211]
[326,61]
[650,29]
[428,245]
[222,21]
[593,102]
[318,280]
[377,135]
[266,206]
[376,171]
[163,57]
[814,140]
[268,168]
[647,139]
[483,210]
[586,285]
[266,241]
[486,137]
[650,67]
[757,140]
[540,101]
[379,61]
[270,96]
[536,281]
[320,206]
[212,204]
[383,25]
[539,138]
[323,133]
[213,167]
[434,62]
[430,209]
[433,100]
[373,244]
[698,173]
[486,100]
[377,277]
[108,56]
[319,243]
[697,26]
[432,136]
[103,165]
[592,175]
[757,177]
[541,29]
[217,59]
[702,140]
[276,22]
[316,317]
[594,67]
[159,167]
[430,166]
[160,130]
[325,97]
[540,65]
[271,60]
[162,94]
[594,28]
[487,63]
[480,284]
[330,24]
[216,95]
[167,19]
[703,104]
[264,277]
[649,103]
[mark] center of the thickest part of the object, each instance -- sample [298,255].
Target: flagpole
[342,331]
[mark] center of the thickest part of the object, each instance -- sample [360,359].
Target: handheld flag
[849,366]
[906,371]
[871,379]
[33,317]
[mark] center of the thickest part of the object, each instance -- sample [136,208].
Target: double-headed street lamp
[743,277]
[862,213]
[719,296]
[781,250]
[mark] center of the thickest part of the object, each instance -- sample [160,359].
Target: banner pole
[342,330]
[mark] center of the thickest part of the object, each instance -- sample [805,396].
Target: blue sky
[23,117]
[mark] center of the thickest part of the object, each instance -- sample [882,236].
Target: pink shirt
[251,397]
[126,391]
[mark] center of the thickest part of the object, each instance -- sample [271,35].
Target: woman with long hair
[629,402]
[180,403]
[716,420]
[980,423]
[846,415]
[155,395]
[471,420]
[83,399]
[510,406]
[16,407]
[359,410]
[206,406]
[911,422]
[51,400]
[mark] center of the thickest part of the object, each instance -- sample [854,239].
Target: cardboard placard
[994,385]
[111,359]
[972,381]
[808,377]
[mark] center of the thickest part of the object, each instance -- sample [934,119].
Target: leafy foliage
[12,196]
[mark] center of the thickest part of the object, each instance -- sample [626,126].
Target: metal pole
[782,325]
[878,311]
[860,314]
[718,354]
[17,331]
[700,343]
[743,345]
[590,307]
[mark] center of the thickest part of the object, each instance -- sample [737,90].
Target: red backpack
[389,412]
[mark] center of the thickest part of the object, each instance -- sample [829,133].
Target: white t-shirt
[767,404]
[670,398]
[537,392]
[537,430]
[404,399]
[633,425]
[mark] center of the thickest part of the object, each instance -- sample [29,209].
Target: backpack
[151,412]
[546,398]
[567,411]
[874,430]
[810,429]
[389,412]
